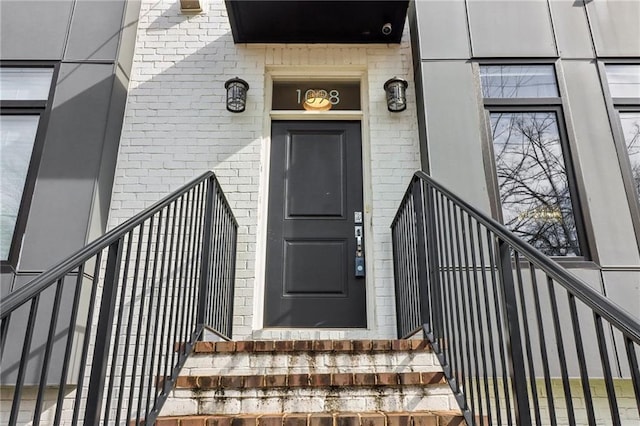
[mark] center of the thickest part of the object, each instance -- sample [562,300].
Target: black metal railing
[102,336]
[521,340]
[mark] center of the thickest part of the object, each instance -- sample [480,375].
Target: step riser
[288,400]
[245,364]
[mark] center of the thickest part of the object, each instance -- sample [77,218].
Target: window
[23,96]
[624,86]
[530,156]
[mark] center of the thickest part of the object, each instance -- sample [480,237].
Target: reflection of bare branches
[518,81]
[533,182]
[631,128]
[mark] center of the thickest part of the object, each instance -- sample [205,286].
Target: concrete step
[403,418]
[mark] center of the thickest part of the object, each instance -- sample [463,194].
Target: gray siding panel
[60,212]
[507,28]
[615,27]
[603,186]
[453,129]
[572,29]
[34,30]
[443,29]
[94,30]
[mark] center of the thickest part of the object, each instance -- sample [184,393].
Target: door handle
[359,263]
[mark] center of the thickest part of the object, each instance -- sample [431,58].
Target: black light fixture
[236,94]
[396,89]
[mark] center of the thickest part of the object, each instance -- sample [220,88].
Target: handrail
[142,294]
[17,297]
[497,331]
[609,310]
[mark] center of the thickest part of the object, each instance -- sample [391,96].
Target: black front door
[315,192]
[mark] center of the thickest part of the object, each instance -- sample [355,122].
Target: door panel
[315,187]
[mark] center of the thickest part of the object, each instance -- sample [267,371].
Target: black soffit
[316,21]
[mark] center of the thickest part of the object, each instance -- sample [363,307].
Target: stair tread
[313,380]
[366,418]
[280,346]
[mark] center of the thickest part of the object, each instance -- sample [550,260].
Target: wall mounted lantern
[396,89]
[236,94]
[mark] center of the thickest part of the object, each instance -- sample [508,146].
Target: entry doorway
[314,263]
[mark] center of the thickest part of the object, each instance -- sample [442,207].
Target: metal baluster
[606,366]
[582,362]
[527,340]
[153,375]
[543,349]
[498,313]
[147,333]
[116,346]
[633,367]
[487,308]
[561,356]
[24,360]
[46,360]
[459,290]
[103,335]
[69,345]
[476,289]
[86,338]
[514,339]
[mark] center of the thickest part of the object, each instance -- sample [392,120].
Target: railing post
[205,276]
[433,264]
[421,253]
[514,339]
[103,335]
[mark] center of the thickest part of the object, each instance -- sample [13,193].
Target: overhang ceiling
[316,21]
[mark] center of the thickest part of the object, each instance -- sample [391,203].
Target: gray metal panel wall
[442,29]
[95,30]
[562,32]
[73,184]
[59,215]
[506,28]
[34,30]
[453,128]
[92,39]
[603,185]
[615,28]
[572,29]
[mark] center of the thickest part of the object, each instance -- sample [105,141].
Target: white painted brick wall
[177,127]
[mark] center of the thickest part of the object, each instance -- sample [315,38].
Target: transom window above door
[316,95]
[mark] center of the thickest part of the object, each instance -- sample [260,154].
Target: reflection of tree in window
[631,129]
[533,182]
[518,81]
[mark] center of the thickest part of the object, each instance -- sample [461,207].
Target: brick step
[282,346]
[350,376]
[310,399]
[423,418]
[248,363]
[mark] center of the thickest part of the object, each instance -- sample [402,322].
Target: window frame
[614,106]
[525,105]
[41,108]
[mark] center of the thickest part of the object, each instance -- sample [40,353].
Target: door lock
[359,251]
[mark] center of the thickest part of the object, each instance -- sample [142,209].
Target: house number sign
[316,95]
